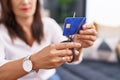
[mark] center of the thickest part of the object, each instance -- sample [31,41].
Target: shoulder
[48,20]
[3,31]
[50,23]
[2,27]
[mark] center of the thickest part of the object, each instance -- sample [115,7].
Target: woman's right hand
[53,55]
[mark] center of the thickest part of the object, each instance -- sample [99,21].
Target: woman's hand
[53,55]
[87,36]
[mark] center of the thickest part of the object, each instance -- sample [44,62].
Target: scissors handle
[73,50]
[70,39]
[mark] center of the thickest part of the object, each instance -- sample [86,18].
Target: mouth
[24,9]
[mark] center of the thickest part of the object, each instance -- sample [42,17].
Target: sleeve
[2,54]
[57,32]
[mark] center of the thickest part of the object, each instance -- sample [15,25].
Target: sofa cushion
[90,70]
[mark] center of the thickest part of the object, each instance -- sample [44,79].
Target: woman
[30,46]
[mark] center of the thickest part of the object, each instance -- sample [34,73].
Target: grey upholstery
[90,70]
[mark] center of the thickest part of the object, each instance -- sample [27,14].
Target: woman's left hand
[86,36]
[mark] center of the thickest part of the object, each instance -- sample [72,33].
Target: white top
[11,51]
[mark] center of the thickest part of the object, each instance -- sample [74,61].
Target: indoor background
[101,61]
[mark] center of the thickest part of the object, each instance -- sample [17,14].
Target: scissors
[71,27]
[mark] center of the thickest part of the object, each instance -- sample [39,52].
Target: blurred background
[60,9]
[101,61]
[106,12]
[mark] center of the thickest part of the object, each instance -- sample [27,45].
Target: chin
[27,15]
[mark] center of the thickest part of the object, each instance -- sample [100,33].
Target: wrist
[27,64]
[35,62]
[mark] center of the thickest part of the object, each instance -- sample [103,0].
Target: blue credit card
[73,25]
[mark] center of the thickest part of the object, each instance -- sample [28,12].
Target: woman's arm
[49,57]
[12,70]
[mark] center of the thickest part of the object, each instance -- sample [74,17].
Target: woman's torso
[19,49]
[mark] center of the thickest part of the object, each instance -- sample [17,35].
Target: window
[103,11]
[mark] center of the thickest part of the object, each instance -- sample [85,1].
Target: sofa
[90,70]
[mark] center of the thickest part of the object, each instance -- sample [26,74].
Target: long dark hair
[8,19]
